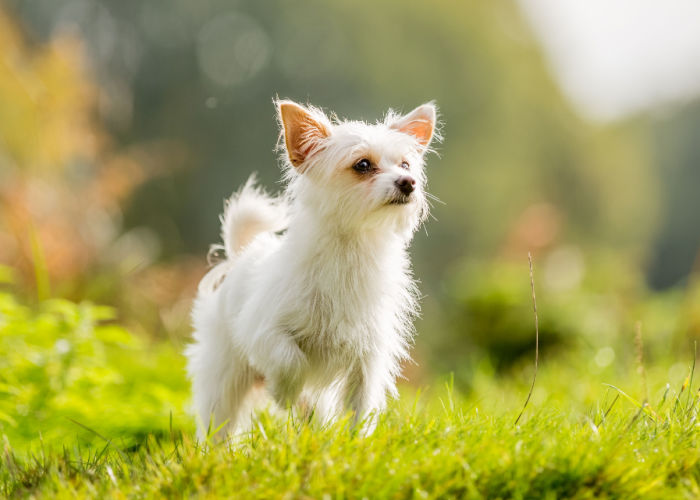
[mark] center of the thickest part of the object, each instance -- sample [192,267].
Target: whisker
[434,198]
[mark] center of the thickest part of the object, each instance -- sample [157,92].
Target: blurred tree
[193,81]
[63,181]
[203,74]
[47,137]
[677,155]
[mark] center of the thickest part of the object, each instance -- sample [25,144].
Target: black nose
[406,184]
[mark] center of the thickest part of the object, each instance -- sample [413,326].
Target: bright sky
[618,57]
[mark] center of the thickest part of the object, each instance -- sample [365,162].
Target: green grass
[62,363]
[88,410]
[424,451]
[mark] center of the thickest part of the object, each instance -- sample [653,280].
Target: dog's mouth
[401,199]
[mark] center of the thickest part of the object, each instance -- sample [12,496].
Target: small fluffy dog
[315,297]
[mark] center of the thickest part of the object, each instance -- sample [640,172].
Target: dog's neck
[351,272]
[323,235]
[352,282]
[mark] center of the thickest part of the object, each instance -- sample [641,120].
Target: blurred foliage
[589,304]
[62,362]
[202,76]
[44,100]
[66,368]
[676,248]
[150,113]
[45,129]
[64,182]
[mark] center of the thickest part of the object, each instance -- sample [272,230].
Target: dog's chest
[333,325]
[347,303]
[339,319]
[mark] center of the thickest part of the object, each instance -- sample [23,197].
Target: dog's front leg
[283,365]
[366,392]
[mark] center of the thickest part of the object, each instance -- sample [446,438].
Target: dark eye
[404,165]
[363,166]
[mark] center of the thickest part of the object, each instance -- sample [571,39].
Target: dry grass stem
[537,338]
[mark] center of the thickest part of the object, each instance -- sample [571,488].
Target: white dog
[323,311]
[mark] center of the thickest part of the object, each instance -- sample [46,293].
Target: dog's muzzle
[401,199]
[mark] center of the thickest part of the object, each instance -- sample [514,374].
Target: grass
[88,410]
[441,447]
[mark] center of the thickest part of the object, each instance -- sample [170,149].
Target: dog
[314,299]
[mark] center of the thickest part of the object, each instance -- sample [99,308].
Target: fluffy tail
[248,212]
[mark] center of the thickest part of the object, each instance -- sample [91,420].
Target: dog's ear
[419,123]
[304,130]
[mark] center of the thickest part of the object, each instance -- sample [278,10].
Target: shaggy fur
[321,312]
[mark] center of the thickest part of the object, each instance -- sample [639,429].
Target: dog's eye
[404,165]
[363,166]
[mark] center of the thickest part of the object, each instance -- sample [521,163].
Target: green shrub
[66,368]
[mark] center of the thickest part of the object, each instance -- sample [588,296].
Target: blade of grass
[607,412]
[644,406]
[692,373]
[537,338]
[93,431]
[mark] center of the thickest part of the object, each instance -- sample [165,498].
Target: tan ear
[303,132]
[419,123]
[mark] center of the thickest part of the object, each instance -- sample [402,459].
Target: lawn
[89,410]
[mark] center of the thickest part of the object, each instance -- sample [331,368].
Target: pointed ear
[419,123]
[304,130]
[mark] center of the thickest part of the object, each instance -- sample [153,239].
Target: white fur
[322,312]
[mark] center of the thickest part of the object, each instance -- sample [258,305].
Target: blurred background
[572,130]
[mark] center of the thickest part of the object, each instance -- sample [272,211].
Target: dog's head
[355,173]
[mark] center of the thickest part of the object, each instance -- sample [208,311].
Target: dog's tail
[249,211]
